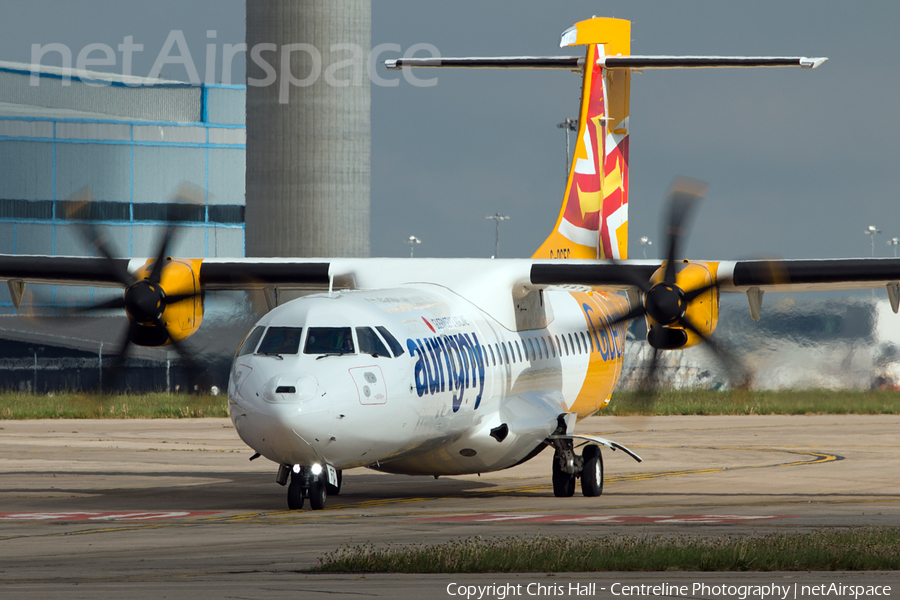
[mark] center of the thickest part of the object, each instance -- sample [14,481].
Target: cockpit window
[281,340]
[370,343]
[329,340]
[250,342]
[396,348]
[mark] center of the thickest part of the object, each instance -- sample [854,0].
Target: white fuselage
[457,393]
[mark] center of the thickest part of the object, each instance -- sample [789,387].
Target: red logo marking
[101,516]
[602,519]
[429,325]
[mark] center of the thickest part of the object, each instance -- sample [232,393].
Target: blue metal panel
[26,170]
[33,238]
[188,241]
[7,238]
[158,172]
[226,242]
[105,168]
[227,176]
[226,106]
[69,242]
[124,143]
[115,121]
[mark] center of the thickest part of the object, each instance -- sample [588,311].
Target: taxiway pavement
[153,508]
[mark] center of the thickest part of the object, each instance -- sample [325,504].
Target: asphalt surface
[174,508]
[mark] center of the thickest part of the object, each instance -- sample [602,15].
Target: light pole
[568,125]
[645,241]
[872,231]
[894,242]
[412,241]
[497,217]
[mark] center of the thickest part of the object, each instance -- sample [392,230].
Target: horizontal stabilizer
[708,62]
[568,63]
[571,63]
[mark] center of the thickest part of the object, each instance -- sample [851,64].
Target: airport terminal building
[134,141]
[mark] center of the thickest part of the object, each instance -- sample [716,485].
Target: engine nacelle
[179,319]
[702,311]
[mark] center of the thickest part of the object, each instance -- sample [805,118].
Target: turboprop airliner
[452,366]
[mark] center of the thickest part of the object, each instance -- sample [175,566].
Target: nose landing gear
[307,484]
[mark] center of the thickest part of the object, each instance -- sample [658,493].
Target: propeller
[666,302]
[144,300]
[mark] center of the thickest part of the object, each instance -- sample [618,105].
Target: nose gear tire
[295,495]
[318,492]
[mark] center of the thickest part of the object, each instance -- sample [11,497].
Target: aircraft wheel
[318,491]
[295,495]
[334,490]
[592,473]
[563,483]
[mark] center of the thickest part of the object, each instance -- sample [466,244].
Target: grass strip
[14,405]
[87,405]
[741,402]
[820,550]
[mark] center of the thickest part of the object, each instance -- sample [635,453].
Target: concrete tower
[308,128]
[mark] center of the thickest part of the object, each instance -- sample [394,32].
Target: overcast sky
[799,162]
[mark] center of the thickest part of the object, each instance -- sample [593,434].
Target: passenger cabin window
[396,348]
[544,344]
[505,353]
[250,342]
[565,344]
[370,343]
[585,342]
[577,341]
[281,340]
[493,358]
[329,340]
[519,350]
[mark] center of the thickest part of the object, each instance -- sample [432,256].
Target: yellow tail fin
[593,220]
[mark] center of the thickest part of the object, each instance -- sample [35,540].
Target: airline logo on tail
[593,222]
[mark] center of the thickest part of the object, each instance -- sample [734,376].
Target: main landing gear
[308,482]
[567,466]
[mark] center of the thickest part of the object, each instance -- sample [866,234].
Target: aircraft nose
[281,415]
[291,389]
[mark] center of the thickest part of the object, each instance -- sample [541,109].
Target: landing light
[316,469]
[296,469]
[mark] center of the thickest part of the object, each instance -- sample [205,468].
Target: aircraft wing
[732,276]
[217,274]
[808,275]
[753,277]
[256,273]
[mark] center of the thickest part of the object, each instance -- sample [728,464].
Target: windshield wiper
[332,354]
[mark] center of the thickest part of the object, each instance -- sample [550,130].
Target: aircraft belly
[529,418]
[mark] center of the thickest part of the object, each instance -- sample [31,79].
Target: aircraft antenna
[497,217]
[568,125]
